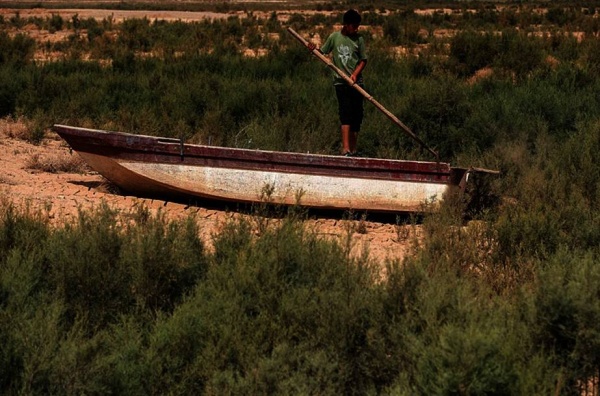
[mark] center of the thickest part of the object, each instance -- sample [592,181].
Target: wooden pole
[364,93]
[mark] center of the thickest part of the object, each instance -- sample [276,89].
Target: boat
[150,166]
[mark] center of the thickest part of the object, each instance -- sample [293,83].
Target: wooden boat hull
[153,166]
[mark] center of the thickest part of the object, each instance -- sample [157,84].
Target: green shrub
[449,333]
[83,256]
[437,109]
[566,314]
[133,304]
[149,267]
[471,51]
[17,50]
[512,51]
[25,317]
[56,23]
[284,313]
[519,53]
[166,259]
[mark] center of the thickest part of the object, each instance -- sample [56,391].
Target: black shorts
[350,106]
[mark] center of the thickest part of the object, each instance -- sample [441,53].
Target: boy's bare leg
[346,139]
[353,139]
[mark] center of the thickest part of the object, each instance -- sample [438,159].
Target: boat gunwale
[172,151]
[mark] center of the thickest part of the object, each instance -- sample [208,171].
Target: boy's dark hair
[351,17]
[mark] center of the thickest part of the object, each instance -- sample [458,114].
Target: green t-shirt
[347,52]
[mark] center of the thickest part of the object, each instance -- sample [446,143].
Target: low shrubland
[134,303]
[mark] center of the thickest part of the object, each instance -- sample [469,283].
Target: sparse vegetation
[57,163]
[507,303]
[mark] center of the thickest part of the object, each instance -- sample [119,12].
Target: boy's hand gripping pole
[364,93]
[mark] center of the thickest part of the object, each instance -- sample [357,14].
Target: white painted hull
[241,185]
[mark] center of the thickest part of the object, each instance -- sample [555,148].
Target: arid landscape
[131,300]
[65,193]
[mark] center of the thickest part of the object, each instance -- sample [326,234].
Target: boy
[348,54]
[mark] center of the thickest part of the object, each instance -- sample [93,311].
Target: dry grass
[14,128]
[57,163]
[108,188]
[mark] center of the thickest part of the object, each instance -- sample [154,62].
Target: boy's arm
[312,47]
[359,68]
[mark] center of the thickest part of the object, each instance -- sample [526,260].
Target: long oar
[364,93]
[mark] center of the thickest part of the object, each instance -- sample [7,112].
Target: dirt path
[24,181]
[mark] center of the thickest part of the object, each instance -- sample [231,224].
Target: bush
[147,267]
[135,305]
[18,50]
[565,317]
[471,51]
[253,325]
